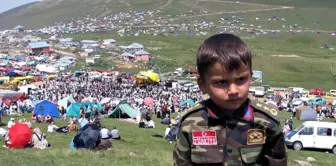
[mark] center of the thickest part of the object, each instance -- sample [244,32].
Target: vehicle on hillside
[316,101]
[252,90]
[332,92]
[313,134]
[259,92]
[298,89]
[266,87]
[317,91]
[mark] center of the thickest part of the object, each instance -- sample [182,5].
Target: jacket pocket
[250,154]
[207,154]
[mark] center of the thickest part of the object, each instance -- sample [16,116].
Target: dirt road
[65,53]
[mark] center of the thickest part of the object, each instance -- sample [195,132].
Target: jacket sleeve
[182,152]
[274,150]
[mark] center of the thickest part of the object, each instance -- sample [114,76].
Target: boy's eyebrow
[223,77]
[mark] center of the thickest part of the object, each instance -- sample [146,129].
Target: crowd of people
[83,89]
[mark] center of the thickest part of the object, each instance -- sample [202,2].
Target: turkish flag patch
[204,137]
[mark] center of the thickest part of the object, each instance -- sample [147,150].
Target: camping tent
[305,113]
[45,108]
[189,102]
[64,102]
[124,109]
[74,108]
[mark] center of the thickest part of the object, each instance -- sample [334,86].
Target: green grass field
[148,150]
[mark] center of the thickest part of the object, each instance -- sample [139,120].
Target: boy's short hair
[227,49]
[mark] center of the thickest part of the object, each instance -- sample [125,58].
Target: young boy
[228,129]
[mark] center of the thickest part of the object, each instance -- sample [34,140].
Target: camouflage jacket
[251,135]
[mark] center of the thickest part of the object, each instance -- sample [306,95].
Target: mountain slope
[17,9]
[35,15]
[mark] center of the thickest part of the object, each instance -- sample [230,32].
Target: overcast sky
[10,4]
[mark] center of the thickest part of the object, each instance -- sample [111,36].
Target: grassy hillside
[15,10]
[49,11]
[305,13]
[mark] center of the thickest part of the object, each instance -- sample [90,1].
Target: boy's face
[228,90]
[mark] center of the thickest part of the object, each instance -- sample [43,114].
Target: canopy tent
[190,102]
[64,102]
[74,108]
[305,113]
[105,100]
[148,75]
[45,108]
[124,110]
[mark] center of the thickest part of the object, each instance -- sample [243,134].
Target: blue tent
[45,108]
[8,58]
[189,101]
[64,102]
[19,59]
[11,73]
[74,108]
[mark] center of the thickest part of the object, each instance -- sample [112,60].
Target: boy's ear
[201,83]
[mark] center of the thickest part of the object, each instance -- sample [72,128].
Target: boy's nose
[233,89]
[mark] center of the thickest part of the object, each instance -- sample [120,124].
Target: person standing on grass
[229,128]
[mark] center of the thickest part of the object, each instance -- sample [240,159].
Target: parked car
[259,92]
[317,91]
[313,134]
[316,101]
[332,92]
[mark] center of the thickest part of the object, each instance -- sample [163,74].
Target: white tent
[105,100]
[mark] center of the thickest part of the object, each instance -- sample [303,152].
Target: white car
[195,88]
[259,92]
[313,134]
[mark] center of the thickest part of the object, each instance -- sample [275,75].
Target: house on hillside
[38,48]
[109,42]
[193,71]
[88,42]
[127,56]
[90,46]
[65,41]
[142,55]
[19,28]
[135,47]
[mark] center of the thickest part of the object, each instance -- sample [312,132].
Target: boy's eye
[221,82]
[241,80]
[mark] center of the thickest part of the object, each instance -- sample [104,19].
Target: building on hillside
[90,46]
[142,55]
[135,47]
[38,48]
[65,41]
[192,71]
[127,56]
[86,43]
[109,42]
[19,28]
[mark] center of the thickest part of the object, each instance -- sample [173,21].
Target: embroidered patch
[265,108]
[204,137]
[255,136]
[274,112]
[248,114]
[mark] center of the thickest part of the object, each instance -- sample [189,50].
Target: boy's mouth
[234,100]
